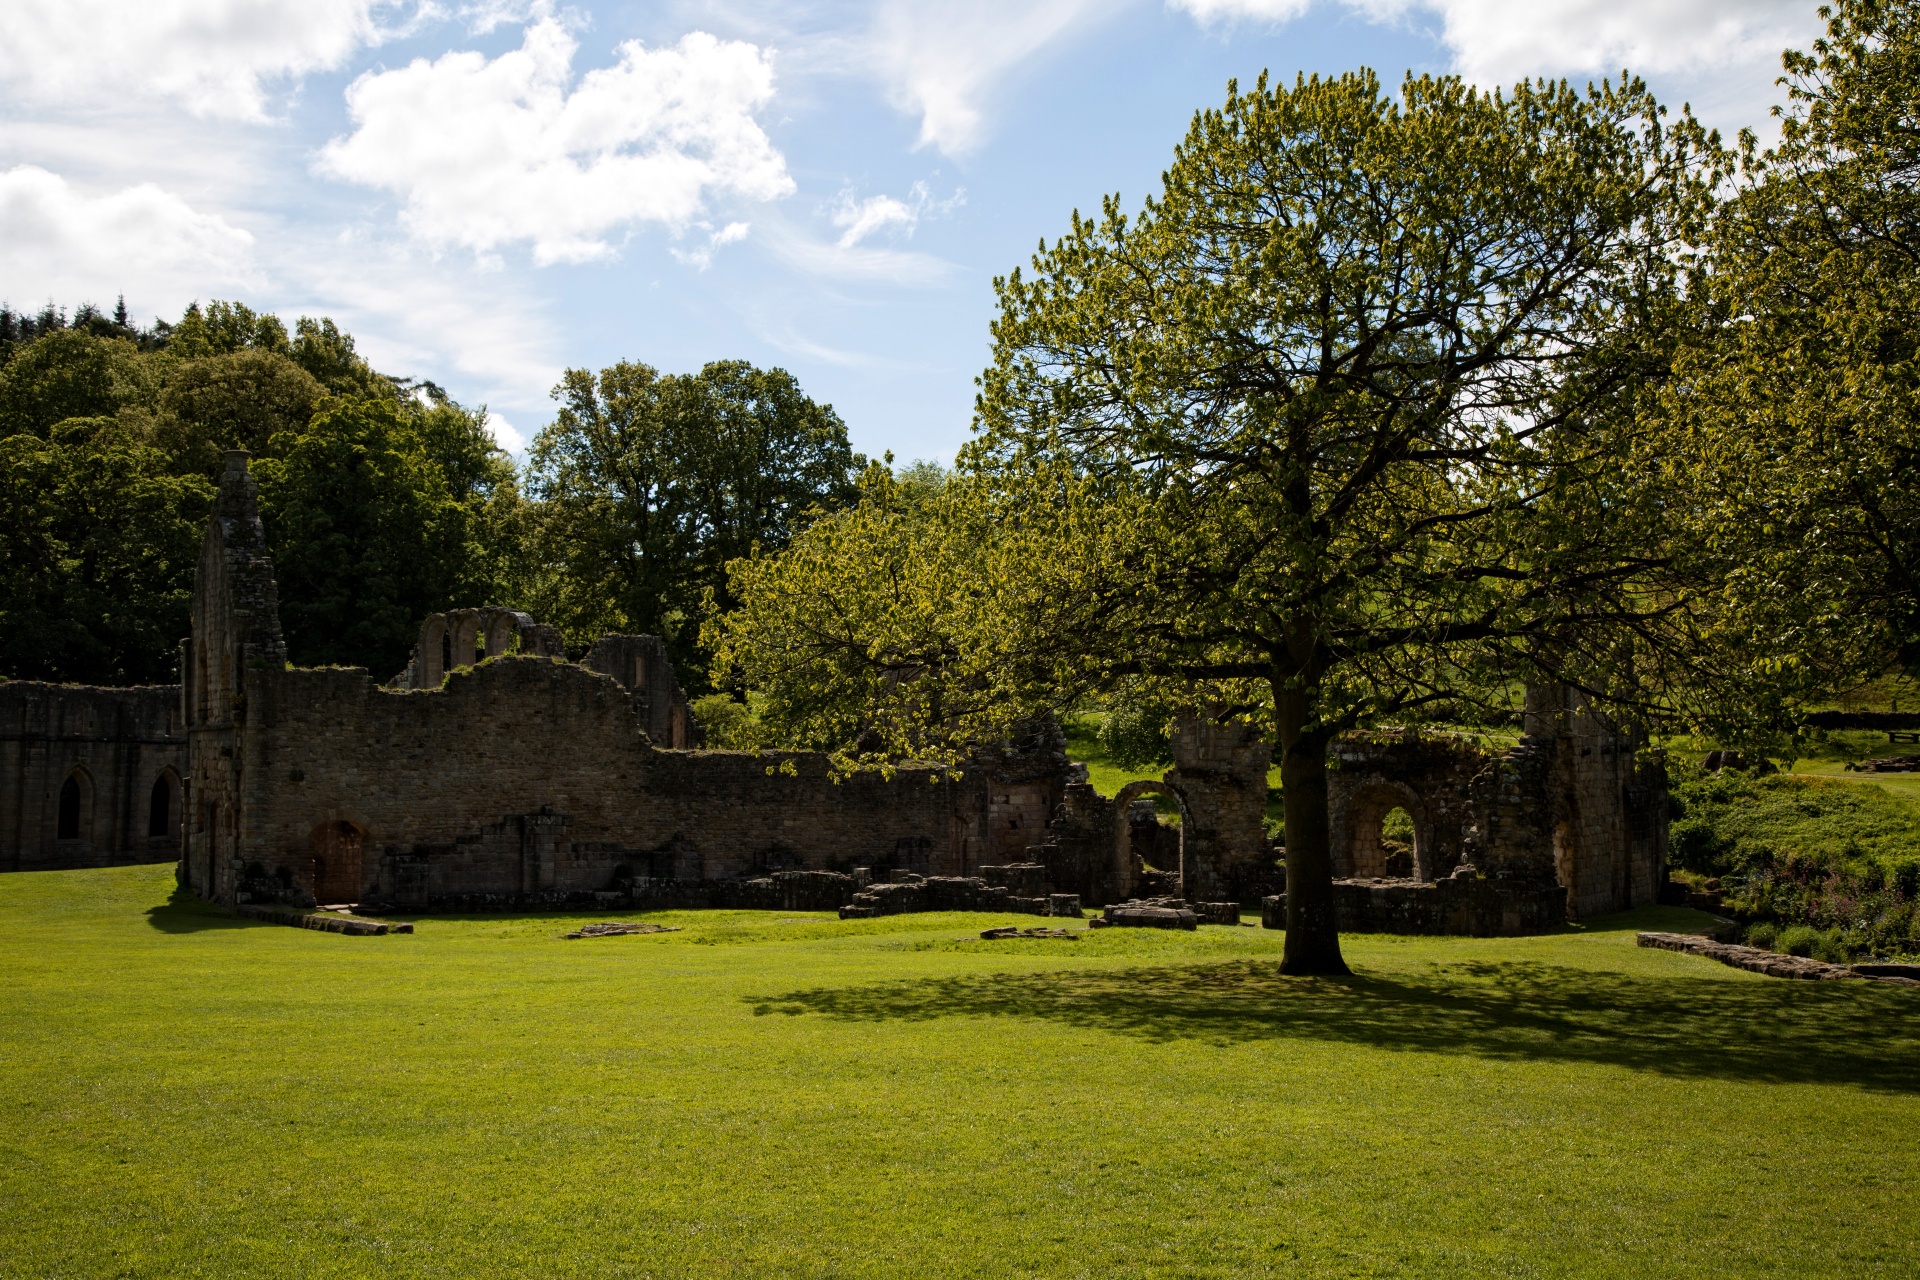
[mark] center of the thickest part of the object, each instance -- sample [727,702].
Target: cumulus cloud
[1499,40]
[488,153]
[215,57]
[1729,50]
[858,219]
[942,61]
[57,242]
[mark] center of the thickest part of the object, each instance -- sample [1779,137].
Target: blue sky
[486,193]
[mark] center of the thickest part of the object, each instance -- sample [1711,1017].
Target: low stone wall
[1771,963]
[1461,904]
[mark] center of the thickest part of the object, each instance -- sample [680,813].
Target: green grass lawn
[186,1094]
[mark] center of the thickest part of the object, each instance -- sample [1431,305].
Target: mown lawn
[184,1094]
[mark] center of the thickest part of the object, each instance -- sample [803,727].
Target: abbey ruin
[493,772]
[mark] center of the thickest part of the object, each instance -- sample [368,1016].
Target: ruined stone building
[89,777]
[492,771]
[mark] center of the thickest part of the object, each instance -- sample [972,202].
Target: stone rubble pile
[616,928]
[908,892]
[1013,931]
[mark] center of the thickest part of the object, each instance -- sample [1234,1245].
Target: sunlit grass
[783,1094]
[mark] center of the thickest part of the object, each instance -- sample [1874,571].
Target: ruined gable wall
[122,741]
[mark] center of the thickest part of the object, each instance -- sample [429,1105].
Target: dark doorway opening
[160,809]
[69,821]
[338,849]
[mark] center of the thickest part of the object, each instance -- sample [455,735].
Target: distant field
[1904,785]
[766,1094]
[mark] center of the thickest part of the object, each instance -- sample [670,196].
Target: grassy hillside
[185,1094]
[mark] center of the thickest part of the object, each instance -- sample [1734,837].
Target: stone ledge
[1771,963]
[325,922]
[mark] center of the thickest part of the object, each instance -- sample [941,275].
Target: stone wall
[117,757]
[532,777]
[641,665]
[1573,804]
[1462,903]
[525,778]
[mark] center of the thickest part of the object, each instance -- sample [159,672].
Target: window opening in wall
[1396,843]
[69,824]
[160,809]
[446,653]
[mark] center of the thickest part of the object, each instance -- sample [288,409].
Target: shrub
[1762,934]
[1799,940]
[1831,947]
[1906,879]
[1134,733]
[1695,846]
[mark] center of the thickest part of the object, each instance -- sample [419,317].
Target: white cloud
[1728,51]
[214,57]
[700,257]
[483,331]
[1504,40]
[488,153]
[854,263]
[941,61]
[57,242]
[505,434]
[859,219]
[1219,11]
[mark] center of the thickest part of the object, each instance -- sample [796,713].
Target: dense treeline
[384,499]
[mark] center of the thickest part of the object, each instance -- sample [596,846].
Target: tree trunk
[1313,931]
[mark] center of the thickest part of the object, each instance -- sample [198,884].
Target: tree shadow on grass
[182,912]
[1856,1033]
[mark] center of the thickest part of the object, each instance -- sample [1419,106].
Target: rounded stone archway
[1123,829]
[1357,850]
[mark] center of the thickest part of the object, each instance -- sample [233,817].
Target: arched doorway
[1382,832]
[1123,836]
[74,818]
[338,857]
[163,806]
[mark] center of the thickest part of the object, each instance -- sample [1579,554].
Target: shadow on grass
[184,913]
[1852,1033]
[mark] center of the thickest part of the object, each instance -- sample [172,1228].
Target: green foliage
[232,400]
[365,534]
[1133,732]
[649,484]
[729,725]
[71,374]
[98,544]
[1734,823]
[1840,858]
[1797,412]
[116,435]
